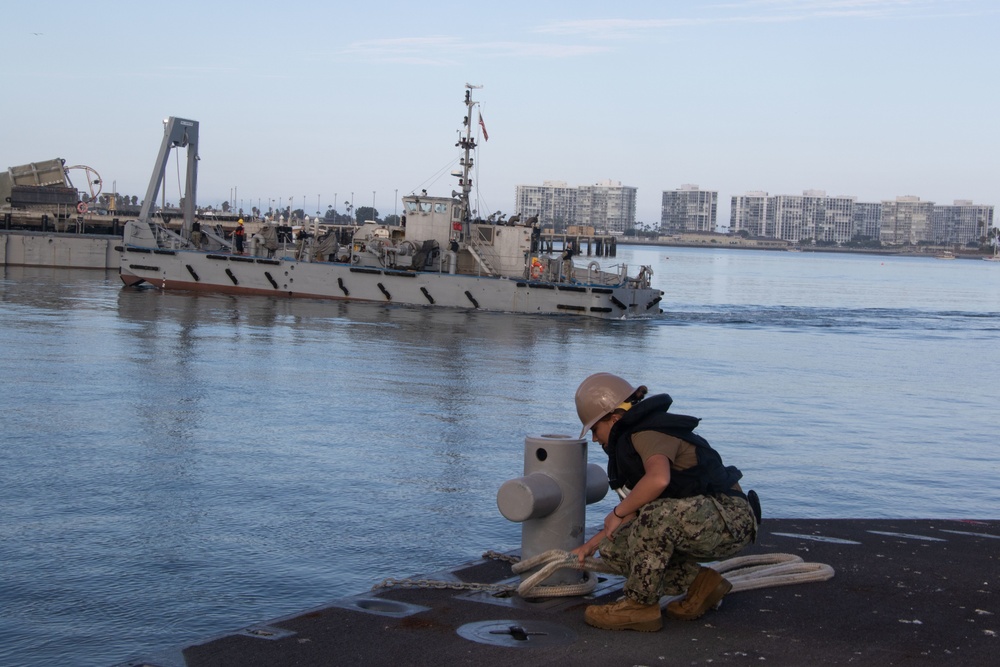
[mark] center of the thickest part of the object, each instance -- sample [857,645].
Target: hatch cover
[517,634]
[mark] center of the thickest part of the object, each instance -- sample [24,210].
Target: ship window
[411,206]
[425,207]
[440,208]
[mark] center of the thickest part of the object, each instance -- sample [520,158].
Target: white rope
[745,572]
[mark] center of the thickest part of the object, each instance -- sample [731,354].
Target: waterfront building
[867,219]
[554,202]
[906,221]
[607,206]
[813,216]
[961,223]
[688,209]
[748,212]
[836,223]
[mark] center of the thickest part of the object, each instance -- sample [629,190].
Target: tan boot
[624,615]
[705,592]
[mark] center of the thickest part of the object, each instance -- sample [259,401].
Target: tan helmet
[598,395]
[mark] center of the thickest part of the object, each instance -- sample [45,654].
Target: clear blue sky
[872,98]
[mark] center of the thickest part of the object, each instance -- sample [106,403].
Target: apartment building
[906,220]
[960,222]
[867,219]
[813,216]
[748,212]
[607,206]
[688,209]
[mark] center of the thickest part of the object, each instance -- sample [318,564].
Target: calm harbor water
[176,466]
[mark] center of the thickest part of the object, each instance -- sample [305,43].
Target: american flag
[486,135]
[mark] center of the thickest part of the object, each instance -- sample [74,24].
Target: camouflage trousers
[659,552]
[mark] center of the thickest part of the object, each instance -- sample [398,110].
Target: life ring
[536,271]
[81,207]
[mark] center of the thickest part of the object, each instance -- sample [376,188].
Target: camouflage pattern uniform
[658,552]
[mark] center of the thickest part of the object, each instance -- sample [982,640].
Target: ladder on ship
[480,253]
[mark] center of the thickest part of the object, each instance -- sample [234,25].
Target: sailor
[239,234]
[301,241]
[196,233]
[567,262]
[680,505]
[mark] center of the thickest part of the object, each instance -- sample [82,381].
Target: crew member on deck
[567,262]
[680,505]
[196,233]
[239,235]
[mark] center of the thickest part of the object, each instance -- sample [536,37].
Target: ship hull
[235,274]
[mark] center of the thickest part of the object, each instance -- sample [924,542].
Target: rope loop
[745,573]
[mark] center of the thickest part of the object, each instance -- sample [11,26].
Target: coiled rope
[746,573]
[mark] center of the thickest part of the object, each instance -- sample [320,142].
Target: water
[177,466]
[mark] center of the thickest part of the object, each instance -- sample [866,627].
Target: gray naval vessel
[440,257]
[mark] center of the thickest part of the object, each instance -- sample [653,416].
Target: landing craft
[438,257]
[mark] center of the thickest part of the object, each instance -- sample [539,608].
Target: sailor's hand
[584,551]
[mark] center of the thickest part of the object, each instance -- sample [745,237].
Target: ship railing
[166,238]
[486,255]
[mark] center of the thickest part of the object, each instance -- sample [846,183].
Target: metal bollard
[550,499]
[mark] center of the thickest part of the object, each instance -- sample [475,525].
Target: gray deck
[906,592]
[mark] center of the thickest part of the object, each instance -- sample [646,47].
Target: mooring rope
[746,573]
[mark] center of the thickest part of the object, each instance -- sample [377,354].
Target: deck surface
[906,592]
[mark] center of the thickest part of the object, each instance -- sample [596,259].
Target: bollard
[550,499]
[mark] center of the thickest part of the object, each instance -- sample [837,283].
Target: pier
[586,244]
[914,592]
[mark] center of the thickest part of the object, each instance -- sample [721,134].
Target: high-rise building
[812,216]
[554,202]
[906,220]
[749,213]
[607,206]
[961,223]
[867,220]
[688,209]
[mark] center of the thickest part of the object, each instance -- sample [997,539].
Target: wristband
[614,511]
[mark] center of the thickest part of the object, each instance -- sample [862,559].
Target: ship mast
[468,145]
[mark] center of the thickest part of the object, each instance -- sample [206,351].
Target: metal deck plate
[517,634]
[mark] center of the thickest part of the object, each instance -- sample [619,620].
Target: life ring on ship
[536,269]
[81,207]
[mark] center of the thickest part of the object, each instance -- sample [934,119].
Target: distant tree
[225,207]
[366,213]
[392,219]
[743,234]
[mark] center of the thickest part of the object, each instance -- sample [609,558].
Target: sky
[317,103]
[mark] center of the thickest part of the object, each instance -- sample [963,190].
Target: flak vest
[625,467]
